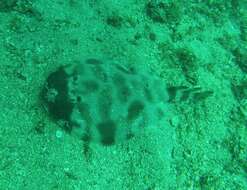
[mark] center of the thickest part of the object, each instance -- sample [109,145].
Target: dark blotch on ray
[61,107]
[90,85]
[107,131]
[93,61]
[135,109]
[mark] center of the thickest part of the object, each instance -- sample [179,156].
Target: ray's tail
[186,94]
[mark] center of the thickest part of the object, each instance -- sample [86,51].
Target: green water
[198,44]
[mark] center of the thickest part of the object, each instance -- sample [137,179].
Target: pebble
[59,134]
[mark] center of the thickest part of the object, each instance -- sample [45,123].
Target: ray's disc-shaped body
[107,102]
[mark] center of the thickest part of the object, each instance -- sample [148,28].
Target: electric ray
[108,102]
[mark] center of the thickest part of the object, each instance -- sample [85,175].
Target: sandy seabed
[201,144]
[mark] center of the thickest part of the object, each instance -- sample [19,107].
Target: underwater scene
[123,95]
